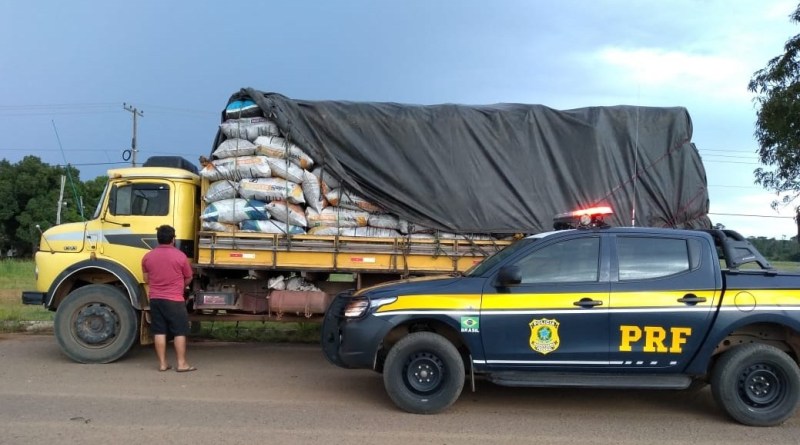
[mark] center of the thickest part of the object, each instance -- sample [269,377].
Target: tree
[29,192]
[777,89]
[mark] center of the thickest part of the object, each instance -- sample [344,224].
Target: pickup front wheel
[423,373]
[756,384]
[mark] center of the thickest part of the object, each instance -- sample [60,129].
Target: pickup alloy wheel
[95,324]
[757,384]
[423,373]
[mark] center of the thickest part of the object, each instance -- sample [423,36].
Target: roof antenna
[69,175]
[635,159]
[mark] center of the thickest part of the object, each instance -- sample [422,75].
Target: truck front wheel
[756,384]
[423,373]
[95,324]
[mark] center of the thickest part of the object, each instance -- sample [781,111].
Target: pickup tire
[95,324]
[423,373]
[756,384]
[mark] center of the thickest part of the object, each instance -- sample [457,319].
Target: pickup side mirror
[509,275]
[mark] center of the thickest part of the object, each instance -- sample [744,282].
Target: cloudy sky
[66,68]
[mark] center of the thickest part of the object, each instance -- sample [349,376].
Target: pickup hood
[69,238]
[425,286]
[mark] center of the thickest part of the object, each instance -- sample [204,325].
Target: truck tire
[756,384]
[423,373]
[95,324]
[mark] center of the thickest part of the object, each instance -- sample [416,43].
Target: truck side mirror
[509,275]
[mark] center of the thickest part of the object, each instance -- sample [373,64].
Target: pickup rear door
[557,317]
[663,293]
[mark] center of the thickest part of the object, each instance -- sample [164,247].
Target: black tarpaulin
[503,168]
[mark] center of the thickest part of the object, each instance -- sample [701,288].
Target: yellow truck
[475,176]
[90,273]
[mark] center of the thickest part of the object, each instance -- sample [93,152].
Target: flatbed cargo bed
[342,254]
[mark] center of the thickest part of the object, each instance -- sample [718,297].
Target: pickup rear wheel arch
[776,335]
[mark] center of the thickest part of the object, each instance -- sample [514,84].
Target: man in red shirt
[167,272]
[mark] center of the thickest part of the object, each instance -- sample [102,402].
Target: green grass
[271,332]
[16,276]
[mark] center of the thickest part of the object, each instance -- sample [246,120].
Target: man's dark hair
[165,234]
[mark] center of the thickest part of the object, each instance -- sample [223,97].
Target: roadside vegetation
[16,275]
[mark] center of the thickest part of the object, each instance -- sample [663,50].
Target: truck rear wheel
[423,373]
[95,324]
[756,384]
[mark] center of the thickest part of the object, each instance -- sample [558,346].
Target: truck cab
[90,272]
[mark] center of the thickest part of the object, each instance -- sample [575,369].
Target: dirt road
[289,394]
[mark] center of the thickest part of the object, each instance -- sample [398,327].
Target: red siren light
[583,218]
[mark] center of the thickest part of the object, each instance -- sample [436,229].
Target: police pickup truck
[589,307]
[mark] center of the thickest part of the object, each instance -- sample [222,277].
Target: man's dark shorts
[168,318]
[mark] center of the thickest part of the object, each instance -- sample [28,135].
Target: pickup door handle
[691,299]
[587,302]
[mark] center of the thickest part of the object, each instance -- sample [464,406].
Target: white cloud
[716,76]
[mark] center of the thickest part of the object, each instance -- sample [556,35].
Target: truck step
[543,379]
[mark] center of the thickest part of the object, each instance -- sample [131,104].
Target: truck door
[557,316]
[135,209]
[663,293]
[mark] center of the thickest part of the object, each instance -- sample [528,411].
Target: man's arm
[187,273]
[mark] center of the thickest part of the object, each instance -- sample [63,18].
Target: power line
[726,151]
[716,161]
[751,216]
[735,186]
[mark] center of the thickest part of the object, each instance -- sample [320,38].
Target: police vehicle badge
[544,335]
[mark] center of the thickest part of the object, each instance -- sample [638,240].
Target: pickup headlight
[357,307]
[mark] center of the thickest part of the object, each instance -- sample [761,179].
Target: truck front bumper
[31,297]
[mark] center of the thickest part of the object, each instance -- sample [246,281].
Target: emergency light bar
[584,218]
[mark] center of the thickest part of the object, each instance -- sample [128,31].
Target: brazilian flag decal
[544,335]
[470,324]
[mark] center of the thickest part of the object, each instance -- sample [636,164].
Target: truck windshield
[481,268]
[100,202]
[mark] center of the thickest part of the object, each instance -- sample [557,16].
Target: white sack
[234,147]
[283,211]
[232,211]
[270,226]
[270,189]
[236,168]
[336,217]
[312,191]
[219,190]
[249,128]
[278,147]
[281,168]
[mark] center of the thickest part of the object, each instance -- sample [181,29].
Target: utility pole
[136,113]
[60,200]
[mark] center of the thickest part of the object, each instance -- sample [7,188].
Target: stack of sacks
[261,182]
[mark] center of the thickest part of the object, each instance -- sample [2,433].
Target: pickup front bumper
[32,297]
[351,343]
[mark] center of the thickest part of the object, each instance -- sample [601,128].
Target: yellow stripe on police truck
[455,302]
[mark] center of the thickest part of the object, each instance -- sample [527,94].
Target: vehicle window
[570,261]
[141,199]
[481,268]
[645,258]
